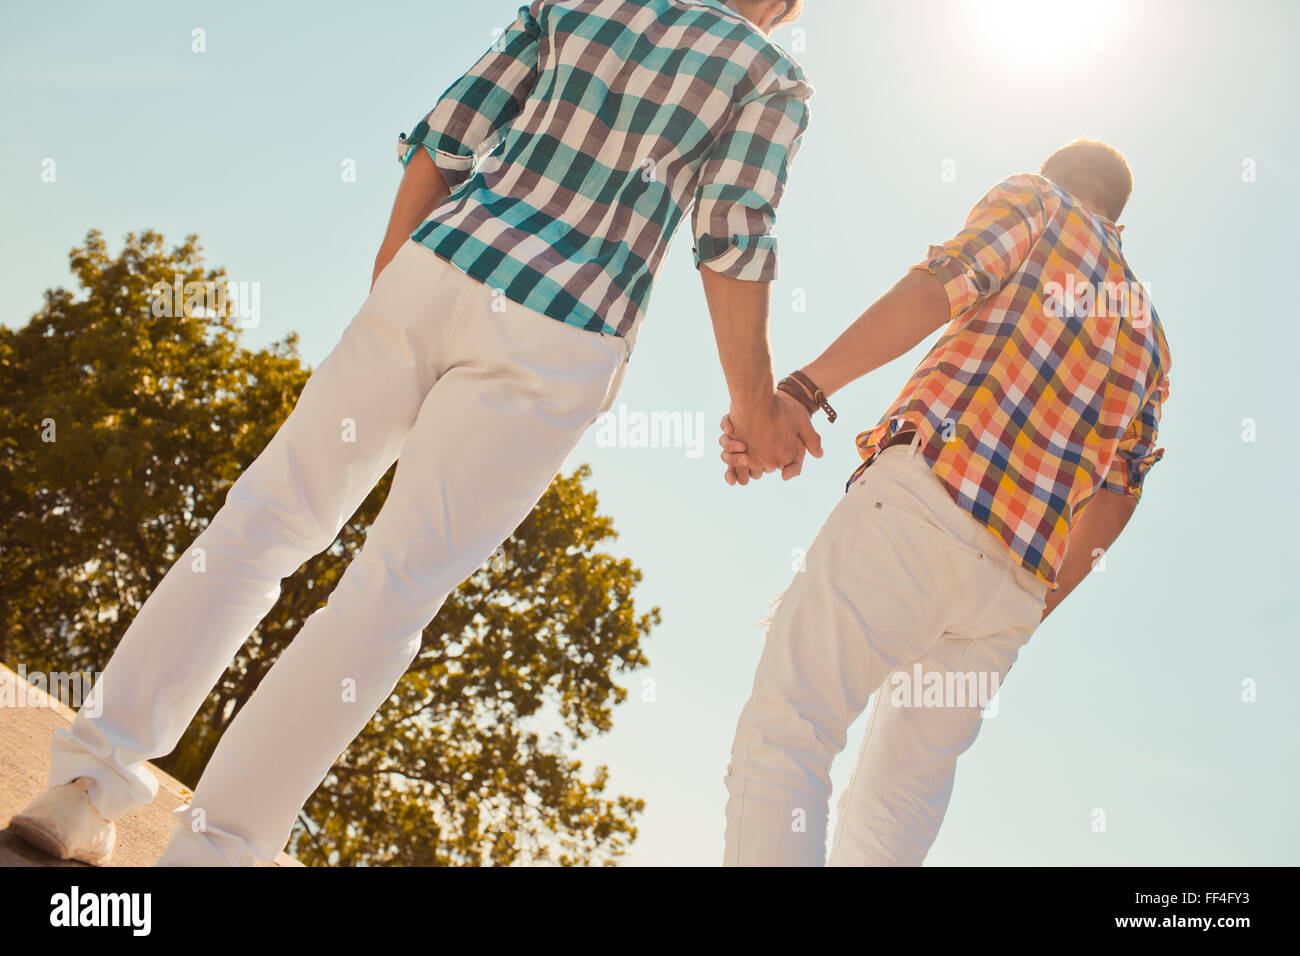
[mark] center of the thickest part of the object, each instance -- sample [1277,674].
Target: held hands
[774,435]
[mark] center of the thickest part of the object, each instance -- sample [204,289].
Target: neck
[750,11]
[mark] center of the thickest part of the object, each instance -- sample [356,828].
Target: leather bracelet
[815,399]
[788,386]
[818,395]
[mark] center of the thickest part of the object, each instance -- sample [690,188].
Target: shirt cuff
[1126,475]
[739,257]
[454,167]
[964,284]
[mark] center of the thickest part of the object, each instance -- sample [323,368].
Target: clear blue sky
[1129,698]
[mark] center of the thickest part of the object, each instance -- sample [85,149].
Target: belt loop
[915,445]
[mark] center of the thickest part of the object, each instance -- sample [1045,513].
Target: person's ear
[777,9]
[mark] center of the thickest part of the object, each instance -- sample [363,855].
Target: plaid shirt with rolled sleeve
[1048,383]
[582,138]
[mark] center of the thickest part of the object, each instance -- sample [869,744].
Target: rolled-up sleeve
[1137,451]
[482,102]
[742,181]
[993,244]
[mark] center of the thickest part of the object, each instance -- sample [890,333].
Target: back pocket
[882,507]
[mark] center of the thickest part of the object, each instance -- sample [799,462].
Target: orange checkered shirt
[1048,382]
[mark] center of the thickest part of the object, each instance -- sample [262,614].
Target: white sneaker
[64,823]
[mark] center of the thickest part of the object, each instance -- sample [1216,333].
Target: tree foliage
[120,432]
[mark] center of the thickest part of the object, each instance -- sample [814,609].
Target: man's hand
[781,418]
[916,306]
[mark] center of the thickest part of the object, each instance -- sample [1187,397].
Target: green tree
[121,431]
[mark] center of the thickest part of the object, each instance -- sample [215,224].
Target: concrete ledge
[25,734]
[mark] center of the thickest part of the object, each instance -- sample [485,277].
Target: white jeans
[900,583]
[483,399]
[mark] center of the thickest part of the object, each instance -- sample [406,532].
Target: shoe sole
[47,842]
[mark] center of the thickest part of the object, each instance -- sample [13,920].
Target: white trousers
[902,592]
[482,399]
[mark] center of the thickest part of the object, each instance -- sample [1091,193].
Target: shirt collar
[1110,227]
[1106,224]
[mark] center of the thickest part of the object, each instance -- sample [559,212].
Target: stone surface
[25,734]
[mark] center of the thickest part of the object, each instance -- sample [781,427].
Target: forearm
[900,319]
[421,191]
[1098,526]
[740,310]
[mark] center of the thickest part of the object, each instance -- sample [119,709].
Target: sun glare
[1042,37]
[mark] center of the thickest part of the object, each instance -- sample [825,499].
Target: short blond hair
[1092,170]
